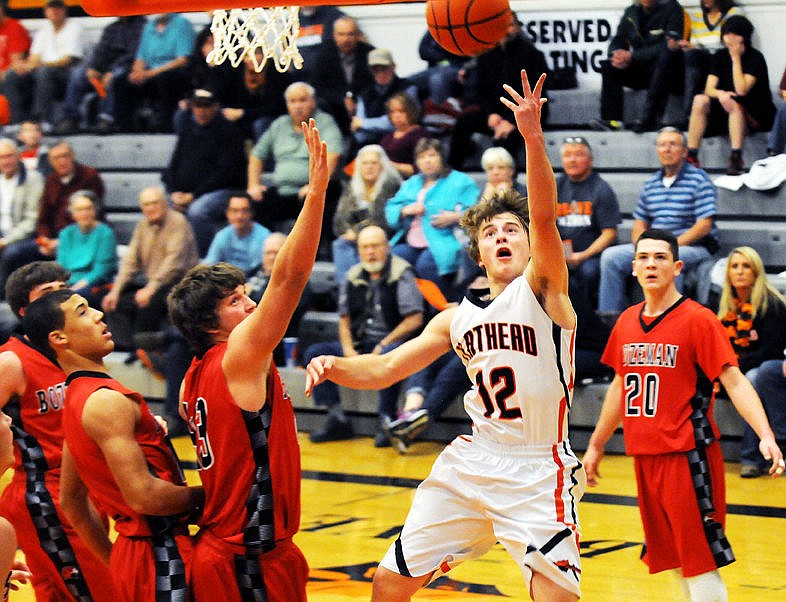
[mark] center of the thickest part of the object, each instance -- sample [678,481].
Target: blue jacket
[456,191]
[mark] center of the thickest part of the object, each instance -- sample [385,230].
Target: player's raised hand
[526,106]
[317,371]
[318,173]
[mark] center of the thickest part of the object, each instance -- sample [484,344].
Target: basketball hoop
[241,32]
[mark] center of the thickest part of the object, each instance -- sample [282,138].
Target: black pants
[660,77]
[128,318]
[162,92]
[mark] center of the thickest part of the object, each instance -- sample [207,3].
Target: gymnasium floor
[356,497]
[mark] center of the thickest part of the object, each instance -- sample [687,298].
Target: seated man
[371,122]
[283,144]
[380,307]
[240,242]
[679,198]
[161,250]
[21,194]
[159,74]
[31,87]
[112,57]
[587,214]
[643,54]
[207,164]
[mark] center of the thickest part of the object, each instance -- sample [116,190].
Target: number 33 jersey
[521,365]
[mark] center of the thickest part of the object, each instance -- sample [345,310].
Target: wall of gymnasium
[568,31]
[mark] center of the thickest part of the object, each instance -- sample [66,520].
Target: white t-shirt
[53,45]
[7,189]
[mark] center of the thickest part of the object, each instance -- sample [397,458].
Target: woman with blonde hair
[362,203]
[752,310]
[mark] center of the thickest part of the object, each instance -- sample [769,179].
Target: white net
[262,34]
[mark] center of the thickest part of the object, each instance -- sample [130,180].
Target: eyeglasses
[576,140]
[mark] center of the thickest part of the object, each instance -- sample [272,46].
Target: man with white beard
[379,308]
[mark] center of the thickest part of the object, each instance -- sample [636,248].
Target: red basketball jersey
[660,364]
[228,458]
[89,460]
[37,413]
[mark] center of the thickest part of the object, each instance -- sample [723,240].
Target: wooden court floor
[355,499]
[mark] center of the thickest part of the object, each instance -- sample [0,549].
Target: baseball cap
[380,57]
[201,96]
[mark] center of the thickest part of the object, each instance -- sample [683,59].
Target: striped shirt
[691,197]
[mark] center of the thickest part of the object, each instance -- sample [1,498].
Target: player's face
[84,326]
[504,247]
[741,274]
[654,265]
[232,310]
[39,290]
[671,150]
[6,443]
[576,161]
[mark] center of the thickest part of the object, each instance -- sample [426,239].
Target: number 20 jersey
[521,365]
[660,362]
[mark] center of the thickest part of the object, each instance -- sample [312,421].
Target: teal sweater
[91,256]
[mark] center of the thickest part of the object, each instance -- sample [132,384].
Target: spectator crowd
[399,146]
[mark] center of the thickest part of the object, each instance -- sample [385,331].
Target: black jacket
[645,34]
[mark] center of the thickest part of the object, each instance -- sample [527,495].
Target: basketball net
[242,32]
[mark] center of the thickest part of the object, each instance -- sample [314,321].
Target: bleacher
[624,159]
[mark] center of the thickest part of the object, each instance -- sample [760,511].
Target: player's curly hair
[193,302]
[507,201]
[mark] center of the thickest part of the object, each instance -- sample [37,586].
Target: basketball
[468,27]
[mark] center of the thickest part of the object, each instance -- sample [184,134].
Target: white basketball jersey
[521,365]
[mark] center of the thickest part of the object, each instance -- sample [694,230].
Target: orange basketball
[468,27]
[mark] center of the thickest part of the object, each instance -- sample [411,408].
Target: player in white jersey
[516,479]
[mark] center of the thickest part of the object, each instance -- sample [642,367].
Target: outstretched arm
[547,271]
[251,343]
[372,371]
